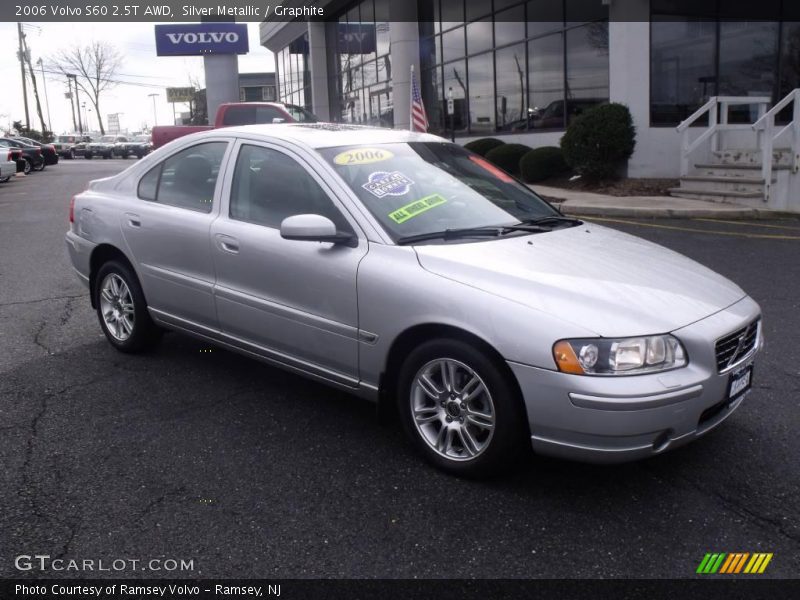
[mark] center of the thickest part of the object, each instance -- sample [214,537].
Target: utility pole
[155,117]
[72,105]
[40,62]
[77,100]
[21,57]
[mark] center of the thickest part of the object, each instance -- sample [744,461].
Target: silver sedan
[414,273]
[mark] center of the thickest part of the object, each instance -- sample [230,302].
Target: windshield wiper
[551,219]
[453,234]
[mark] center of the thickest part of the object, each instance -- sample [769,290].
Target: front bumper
[617,419]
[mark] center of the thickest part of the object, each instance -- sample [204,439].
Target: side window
[149,183]
[269,186]
[186,179]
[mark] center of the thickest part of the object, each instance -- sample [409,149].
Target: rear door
[167,231]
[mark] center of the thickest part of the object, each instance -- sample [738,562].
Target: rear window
[251,115]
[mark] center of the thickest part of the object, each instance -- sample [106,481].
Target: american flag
[419,120]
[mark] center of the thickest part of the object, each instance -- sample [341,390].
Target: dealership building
[522,70]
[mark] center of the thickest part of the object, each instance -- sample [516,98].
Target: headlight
[625,356]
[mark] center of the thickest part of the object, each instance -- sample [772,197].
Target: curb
[675,213]
[661,213]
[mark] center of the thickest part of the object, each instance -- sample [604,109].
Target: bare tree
[94,65]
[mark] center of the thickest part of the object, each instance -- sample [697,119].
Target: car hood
[603,280]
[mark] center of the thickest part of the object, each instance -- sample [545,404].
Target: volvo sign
[201,39]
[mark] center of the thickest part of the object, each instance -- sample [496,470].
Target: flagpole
[411,100]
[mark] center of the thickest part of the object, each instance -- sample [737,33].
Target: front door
[295,299]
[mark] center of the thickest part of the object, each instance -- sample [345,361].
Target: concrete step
[750,156]
[723,183]
[740,170]
[725,196]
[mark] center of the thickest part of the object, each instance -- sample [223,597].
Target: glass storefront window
[520,50]
[587,68]
[481,93]
[361,90]
[293,73]
[509,26]
[455,78]
[453,44]
[479,37]
[682,68]
[546,82]
[510,96]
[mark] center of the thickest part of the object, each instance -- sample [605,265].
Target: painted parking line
[762,236]
[751,223]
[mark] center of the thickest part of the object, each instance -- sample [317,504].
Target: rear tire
[71,155]
[40,167]
[461,409]
[27,167]
[122,309]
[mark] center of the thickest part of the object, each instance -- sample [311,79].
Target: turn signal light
[565,358]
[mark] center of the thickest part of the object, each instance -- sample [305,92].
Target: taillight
[72,210]
[10,156]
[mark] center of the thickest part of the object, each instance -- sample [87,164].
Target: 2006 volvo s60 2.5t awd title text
[408,270]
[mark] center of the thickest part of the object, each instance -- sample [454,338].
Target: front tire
[460,408]
[122,309]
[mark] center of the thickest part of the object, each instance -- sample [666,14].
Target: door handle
[133,220]
[227,244]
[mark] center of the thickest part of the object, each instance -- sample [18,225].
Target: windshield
[300,114]
[426,187]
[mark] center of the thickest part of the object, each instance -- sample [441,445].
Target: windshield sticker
[383,183]
[501,175]
[362,156]
[404,213]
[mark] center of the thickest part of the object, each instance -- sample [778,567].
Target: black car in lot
[49,151]
[31,155]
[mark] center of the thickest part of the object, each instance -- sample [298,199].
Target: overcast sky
[146,72]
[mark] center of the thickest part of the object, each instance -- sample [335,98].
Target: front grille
[736,345]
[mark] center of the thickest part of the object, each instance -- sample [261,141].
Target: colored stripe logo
[732,563]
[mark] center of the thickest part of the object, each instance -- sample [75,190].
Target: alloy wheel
[116,307]
[452,409]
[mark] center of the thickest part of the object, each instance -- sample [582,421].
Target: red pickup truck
[237,113]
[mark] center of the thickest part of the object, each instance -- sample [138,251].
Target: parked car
[230,114]
[31,155]
[140,145]
[8,163]
[14,155]
[67,145]
[48,150]
[107,146]
[430,279]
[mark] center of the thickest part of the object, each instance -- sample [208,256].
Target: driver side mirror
[315,228]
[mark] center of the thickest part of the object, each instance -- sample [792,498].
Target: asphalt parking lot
[195,453]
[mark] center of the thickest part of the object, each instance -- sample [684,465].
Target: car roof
[326,135]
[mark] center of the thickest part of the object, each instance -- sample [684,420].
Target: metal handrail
[777,108]
[766,125]
[697,114]
[717,121]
